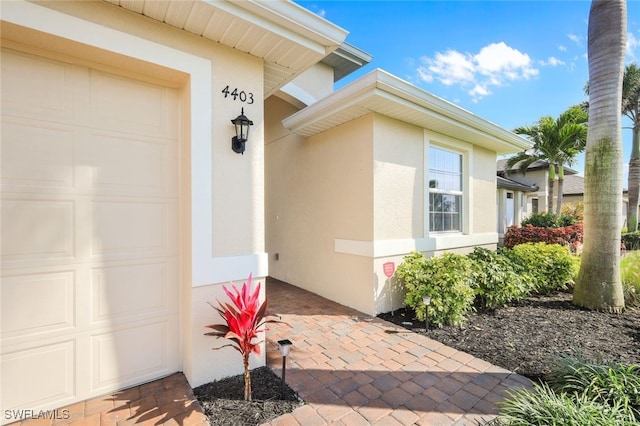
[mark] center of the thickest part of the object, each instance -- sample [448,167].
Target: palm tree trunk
[551,183]
[598,285]
[560,189]
[634,181]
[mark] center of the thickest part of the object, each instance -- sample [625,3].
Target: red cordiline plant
[243,317]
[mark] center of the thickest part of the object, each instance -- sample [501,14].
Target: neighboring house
[574,193]
[521,195]
[515,202]
[124,209]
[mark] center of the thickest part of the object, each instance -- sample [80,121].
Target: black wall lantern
[242,124]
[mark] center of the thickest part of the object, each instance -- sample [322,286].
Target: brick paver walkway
[168,401]
[352,369]
[349,368]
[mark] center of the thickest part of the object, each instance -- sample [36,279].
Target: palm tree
[631,108]
[598,285]
[556,141]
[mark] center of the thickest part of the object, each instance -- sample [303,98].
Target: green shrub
[549,220]
[631,240]
[608,383]
[630,275]
[542,406]
[496,283]
[447,279]
[575,210]
[551,266]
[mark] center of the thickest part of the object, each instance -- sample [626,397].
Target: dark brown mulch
[527,337]
[223,400]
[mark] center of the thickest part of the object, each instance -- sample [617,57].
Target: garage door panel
[37,229]
[50,379]
[130,228]
[126,165]
[147,110]
[37,303]
[129,355]
[36,87]
[89,219]
[37,155]
[123,292]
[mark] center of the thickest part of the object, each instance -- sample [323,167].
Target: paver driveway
[352,369]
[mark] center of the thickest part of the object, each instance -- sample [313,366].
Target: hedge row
[456,283]
[568,236]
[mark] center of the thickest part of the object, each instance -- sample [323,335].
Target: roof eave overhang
[505,183]
[286,36]
[382,93]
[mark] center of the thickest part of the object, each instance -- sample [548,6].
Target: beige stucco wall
[319,189]
[484,212]
[398,175]
[316,82]
[222,224]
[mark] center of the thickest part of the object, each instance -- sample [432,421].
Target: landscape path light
[427,301]
[284,346]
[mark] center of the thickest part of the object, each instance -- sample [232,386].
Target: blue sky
[509,62]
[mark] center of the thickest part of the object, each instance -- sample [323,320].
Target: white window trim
[466,151]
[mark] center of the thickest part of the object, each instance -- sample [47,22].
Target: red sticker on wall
[389,268]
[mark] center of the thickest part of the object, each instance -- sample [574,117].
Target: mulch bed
[527,337]
[223,400]
[524,338]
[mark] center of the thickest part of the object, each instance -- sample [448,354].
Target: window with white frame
[445,190]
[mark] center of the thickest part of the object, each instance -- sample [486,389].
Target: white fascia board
[288,20]
[407,91]
[396,90]
[344,98]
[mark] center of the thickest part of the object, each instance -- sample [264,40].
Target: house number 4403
[241,95]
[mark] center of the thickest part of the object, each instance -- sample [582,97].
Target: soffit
[346,60]
[286,36]
[382,93]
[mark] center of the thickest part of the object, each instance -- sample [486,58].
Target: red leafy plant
[243,318]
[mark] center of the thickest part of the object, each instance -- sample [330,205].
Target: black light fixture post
[242,124]
[284,346]
[427,301]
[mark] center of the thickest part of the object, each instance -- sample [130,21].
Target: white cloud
[478,92]
[632,44]
[451,67]
[562,48]
[552,62]
[575,38]
[494,65]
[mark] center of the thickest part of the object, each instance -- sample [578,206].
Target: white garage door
[89,290]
